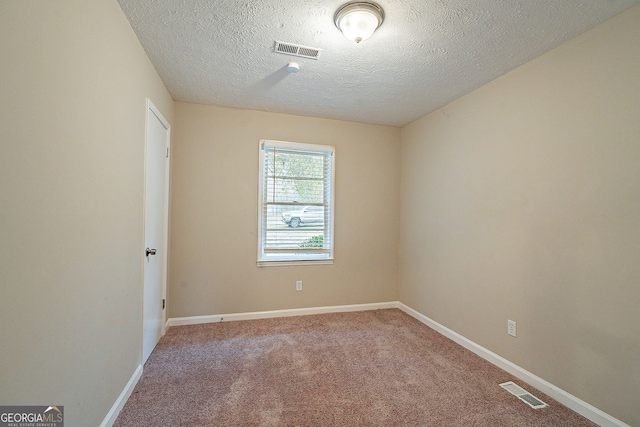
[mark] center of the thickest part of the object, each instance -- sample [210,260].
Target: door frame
[152,110]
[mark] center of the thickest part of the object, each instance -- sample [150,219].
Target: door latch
[150,251]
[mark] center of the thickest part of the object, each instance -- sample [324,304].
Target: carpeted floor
[372,368]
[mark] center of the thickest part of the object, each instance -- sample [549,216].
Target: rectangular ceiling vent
[297,50]
[523,395]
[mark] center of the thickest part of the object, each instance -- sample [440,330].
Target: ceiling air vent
[297,50]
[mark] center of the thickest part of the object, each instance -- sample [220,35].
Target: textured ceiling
[426,53]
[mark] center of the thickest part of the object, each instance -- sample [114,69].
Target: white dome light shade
[358,20]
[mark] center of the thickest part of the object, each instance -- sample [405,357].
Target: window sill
[294,263]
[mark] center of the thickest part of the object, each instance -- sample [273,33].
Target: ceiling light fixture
[359,19]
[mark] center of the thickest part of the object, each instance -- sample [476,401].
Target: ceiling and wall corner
[426,53]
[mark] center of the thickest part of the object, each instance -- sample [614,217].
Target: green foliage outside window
[313,242]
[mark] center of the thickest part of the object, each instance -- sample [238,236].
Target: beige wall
[214,214]
[521,201]
[74,82]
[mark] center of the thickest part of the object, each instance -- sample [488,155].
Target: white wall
[74,84]
[214,211]
[521,201]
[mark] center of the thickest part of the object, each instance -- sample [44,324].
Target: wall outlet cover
[511,328]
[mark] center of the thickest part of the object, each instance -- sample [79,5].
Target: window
[295,224]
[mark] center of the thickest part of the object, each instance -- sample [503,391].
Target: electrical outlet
[298,285]
[511,328]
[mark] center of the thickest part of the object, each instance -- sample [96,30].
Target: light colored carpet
[373,368]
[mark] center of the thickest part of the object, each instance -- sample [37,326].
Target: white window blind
[296,203]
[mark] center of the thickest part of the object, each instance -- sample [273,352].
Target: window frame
[304,257]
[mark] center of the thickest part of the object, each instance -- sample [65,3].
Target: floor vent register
[523,395]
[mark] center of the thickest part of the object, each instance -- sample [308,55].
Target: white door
[155,229]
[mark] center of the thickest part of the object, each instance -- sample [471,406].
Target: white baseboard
[194,320]
[122,399]
[572,402]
